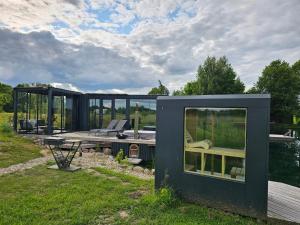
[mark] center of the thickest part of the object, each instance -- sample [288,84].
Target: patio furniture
[223,152]
[63,161]
[118,128]
[110,126]
[29,126]
[142,134]
[25,126]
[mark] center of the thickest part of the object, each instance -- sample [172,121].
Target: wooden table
[223,152]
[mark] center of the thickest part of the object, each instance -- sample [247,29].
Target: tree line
[217,76]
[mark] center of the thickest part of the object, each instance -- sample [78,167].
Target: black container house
[214,150]
[53,110]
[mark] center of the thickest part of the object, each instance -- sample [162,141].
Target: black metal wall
[248,198]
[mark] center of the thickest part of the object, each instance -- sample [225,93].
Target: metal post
[101,113]
[15,110]
[50,100]
[113,110]
[27,110]
[37,113]
[128,113]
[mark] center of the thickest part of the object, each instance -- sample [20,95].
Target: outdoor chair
[29,126]
[111,125]
[25,126]
[119,127]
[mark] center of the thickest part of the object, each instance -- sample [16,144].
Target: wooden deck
[284,202]
[85,136]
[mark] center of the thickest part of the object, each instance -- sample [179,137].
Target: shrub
[120,156]
[5,128]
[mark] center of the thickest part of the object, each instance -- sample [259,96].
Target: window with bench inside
[215,142]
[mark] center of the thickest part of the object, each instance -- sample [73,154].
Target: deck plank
[86,136]
[284,202]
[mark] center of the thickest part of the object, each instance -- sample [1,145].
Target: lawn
[13,148]
[43,196]
[6,117]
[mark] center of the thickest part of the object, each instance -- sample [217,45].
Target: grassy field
[43,196]
[6,117]
[14,149]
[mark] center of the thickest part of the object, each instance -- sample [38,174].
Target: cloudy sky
[127,46]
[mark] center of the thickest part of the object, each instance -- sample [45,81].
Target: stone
[147,171]
[123,214]
[107,151]
[153,171]
[138,169]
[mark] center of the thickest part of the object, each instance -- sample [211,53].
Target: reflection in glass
[32,112]
[106,113]
[120,108]
[147,111]
[215,142]
[94,113]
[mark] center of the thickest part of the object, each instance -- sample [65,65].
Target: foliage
[215,76]
[34,84]
[120,156]
[6,129]
[283,83]
[6,99]
[192,88]
[160,90]
[50,201]
[285,163]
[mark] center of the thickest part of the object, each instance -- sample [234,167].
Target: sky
[127,46]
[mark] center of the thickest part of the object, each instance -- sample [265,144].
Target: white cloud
[89,53]
[66,86]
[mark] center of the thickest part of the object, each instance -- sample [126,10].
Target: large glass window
[120,109]
[147,112]
[68,113]
[215,142]
[32,112]
[106,113]
[58,121]
[94,113]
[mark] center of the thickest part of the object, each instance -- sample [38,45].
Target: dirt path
[23,166]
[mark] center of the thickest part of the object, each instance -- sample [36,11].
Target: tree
[160,90]
[283,83]
[6,100]
[216,76]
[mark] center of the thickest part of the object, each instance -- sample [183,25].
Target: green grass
[13,148]
[43,196]
[6,117]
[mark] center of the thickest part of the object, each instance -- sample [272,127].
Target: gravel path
[23,166]
[96,159]
[88,160]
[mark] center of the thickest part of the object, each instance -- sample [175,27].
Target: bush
[5,128]
[120,156]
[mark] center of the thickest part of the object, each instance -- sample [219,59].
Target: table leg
[202,162]
[223,165]
[212,161]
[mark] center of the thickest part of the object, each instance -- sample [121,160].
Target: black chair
[119,127]
[25,126]
[111,126]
